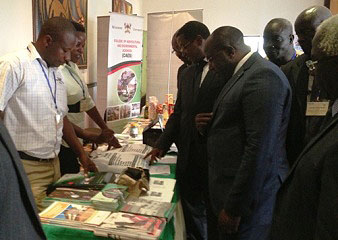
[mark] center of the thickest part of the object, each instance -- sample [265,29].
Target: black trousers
[68,161]
[200,221]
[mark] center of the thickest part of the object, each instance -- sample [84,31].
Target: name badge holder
[316,108]
[58,115]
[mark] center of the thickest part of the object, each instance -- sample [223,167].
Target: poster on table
[124,66]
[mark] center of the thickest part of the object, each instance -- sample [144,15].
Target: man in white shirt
[33,100]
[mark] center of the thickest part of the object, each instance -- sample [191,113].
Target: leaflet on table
[149,207]
[71,214]
[116,162]
[168,184]
[168,159]
[158,194]
[159,169]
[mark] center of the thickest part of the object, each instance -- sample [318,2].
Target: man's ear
[199,40]
[47,40]
[291,37]
[230,51]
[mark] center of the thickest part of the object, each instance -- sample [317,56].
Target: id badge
[58,117]
[316,108]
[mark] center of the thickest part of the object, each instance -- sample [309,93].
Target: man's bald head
[307,23]
[225,48]
[278,41]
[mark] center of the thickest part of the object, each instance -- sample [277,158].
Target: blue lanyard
[79,83]
[50,88]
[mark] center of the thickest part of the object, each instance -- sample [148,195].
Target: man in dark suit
[303,124]
[307,202]
[246,139]
[197,92]
[18,218]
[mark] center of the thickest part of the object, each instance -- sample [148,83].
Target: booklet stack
[131,226]
[73,195]
[111,198]
[73,215]
[116,160]
[103,223]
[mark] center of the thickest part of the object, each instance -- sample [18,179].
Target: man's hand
[227,223]
[87,164]
[155,154]
[107,136]
[202,120]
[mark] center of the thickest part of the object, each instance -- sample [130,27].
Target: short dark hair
[78,27]
[192,29]
[55,27]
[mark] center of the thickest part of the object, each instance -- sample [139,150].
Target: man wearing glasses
[198,89]
[309,102]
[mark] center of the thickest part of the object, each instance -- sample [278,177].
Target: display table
[62,233]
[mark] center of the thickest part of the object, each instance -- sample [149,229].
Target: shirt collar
[241,63]
[335,108]
[34,54]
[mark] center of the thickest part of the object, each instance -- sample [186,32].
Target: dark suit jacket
[191,99]
[18,215]
[298,133]
[246,142]
[307,202]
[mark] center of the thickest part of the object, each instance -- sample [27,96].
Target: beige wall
[248,15]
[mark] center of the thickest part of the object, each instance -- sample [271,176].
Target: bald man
[246,139]
[278,41]
[309,102]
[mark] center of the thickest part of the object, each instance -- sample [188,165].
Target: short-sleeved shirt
[78,99]
[33,103]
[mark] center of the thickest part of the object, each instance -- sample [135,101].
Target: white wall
[250,16]
[17,28]
[15,25]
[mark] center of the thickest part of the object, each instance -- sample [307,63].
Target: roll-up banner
[124,66]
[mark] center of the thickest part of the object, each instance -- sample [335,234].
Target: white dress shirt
[242,61]
[31,115]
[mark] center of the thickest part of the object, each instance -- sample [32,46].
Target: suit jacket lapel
[234,79]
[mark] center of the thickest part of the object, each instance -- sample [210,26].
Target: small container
[133,132]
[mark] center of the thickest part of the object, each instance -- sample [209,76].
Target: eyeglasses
[185,46]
